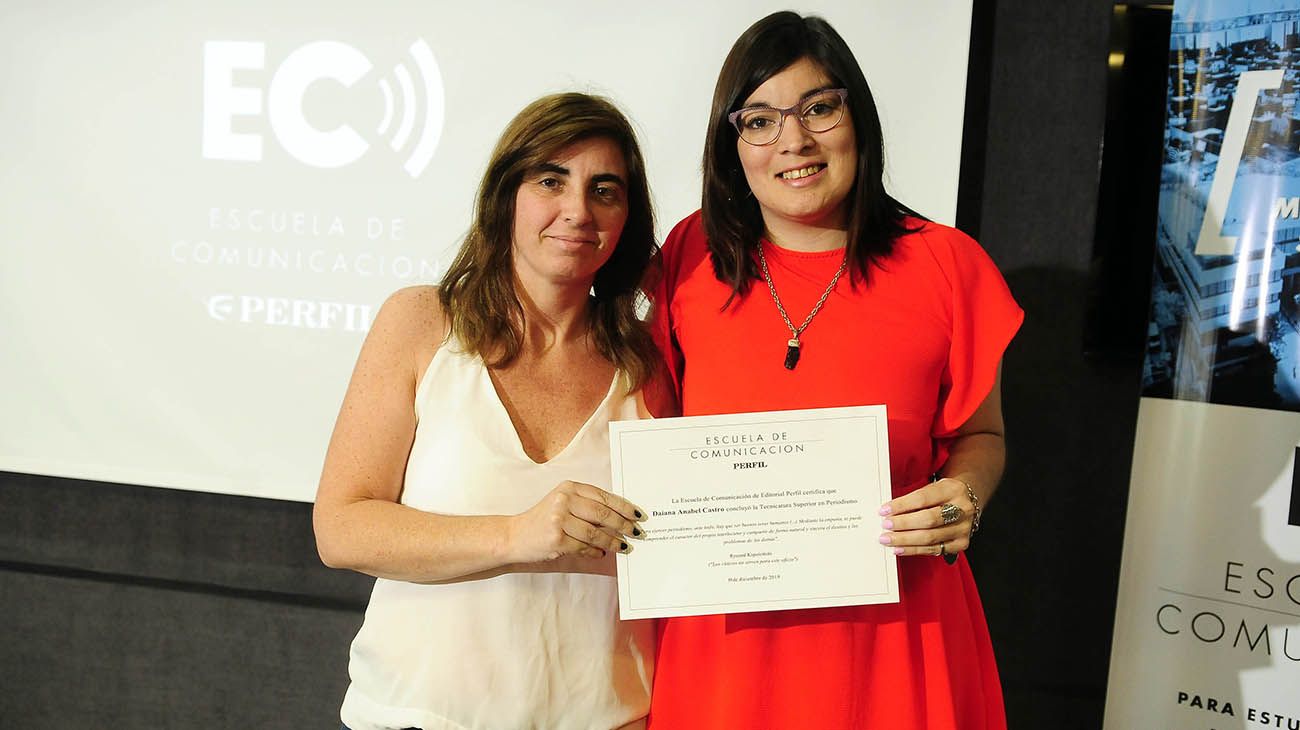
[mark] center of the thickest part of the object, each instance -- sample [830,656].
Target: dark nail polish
[636,531]
[622,546]
[637,513]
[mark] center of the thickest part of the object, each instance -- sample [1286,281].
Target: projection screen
[204,203]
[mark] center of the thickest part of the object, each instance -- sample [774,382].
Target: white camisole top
[517,650]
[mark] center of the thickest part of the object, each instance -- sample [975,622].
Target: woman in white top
[466,466]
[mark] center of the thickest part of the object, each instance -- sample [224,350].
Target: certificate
[755,511]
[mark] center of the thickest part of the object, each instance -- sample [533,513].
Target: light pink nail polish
[887,524]
[886,539]
[885,510]
[898,551]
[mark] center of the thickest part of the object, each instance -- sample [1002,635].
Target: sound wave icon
[434,108]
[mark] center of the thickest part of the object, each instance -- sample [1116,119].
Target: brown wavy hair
[478,293]
[732,219]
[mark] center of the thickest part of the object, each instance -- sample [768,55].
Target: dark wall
[1047,558]
[135,607]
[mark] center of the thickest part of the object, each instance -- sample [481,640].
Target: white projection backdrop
[202,204]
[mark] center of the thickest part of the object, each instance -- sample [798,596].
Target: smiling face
[802,180]
[569,214]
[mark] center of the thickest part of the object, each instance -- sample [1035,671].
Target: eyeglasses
[820,111]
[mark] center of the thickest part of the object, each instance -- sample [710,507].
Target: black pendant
[792,353]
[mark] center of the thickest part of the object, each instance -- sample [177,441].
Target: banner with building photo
[1207,629]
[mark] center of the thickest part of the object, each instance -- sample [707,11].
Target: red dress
[924,336]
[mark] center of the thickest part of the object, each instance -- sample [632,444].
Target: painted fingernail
[637,531]
[622,547]
[637,514]
[886,510]
[886,539]
[898,551]
[887,524]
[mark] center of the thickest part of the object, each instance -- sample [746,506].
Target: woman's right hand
[573,519]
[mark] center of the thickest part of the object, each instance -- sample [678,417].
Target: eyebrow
[608,177]
[804,95]
[553,168]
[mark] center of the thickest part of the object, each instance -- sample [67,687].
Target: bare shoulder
[413,308]
[412,315]
[407,331]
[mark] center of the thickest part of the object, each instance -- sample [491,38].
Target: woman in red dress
[802,284]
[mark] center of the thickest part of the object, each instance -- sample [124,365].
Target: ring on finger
[950,513]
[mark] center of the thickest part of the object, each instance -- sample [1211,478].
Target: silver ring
[942,551]
[950,513]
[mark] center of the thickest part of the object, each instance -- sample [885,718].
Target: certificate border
[874,413]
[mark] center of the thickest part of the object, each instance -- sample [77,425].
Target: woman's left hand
[914,523]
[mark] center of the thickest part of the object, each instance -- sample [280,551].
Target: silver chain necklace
[792,346]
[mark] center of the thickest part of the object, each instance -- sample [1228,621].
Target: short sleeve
[984,319]
[663,394]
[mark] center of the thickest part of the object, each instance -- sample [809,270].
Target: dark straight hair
[478,292]
[732,219]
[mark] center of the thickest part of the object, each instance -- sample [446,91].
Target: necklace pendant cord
[792,350]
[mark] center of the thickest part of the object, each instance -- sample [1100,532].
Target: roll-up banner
[1207,628]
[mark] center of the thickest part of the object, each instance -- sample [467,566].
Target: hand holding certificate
[755,511]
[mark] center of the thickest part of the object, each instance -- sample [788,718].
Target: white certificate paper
[755,511]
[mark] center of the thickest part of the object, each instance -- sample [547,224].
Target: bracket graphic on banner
[1211,242]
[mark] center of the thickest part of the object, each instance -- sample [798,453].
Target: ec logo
[319,61]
